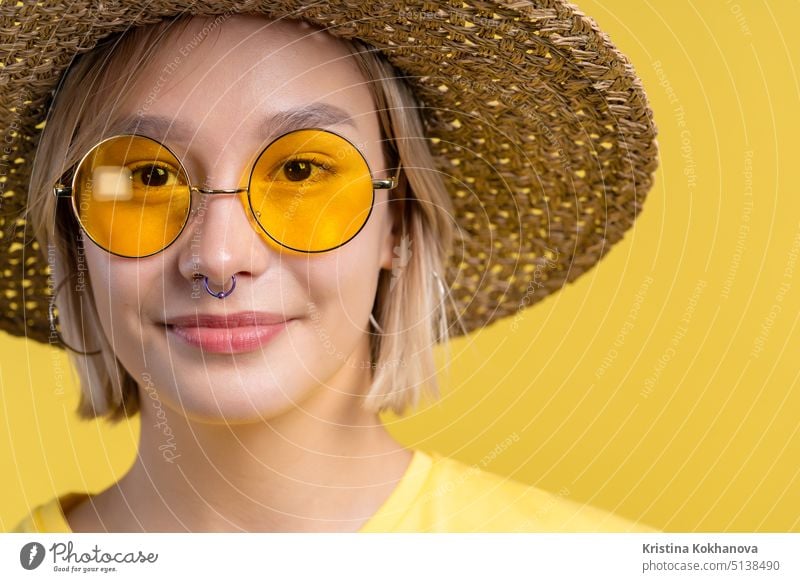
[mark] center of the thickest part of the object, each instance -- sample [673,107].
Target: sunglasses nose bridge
[201,196]
[219,191]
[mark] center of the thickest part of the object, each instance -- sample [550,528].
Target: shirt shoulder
[50,517]
[457,497]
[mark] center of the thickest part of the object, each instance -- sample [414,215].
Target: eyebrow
[313,115]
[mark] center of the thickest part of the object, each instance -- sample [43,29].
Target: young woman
[250,249]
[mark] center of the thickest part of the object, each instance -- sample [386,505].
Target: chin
[226,401]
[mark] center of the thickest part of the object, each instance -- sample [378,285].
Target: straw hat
[538,123]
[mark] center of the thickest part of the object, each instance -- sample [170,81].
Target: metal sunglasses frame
[61,190]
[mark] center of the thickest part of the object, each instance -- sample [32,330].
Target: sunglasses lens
[132,196]
[311,190]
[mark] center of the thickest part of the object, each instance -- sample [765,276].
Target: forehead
[245,76]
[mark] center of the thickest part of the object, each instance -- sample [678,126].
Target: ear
[397,207]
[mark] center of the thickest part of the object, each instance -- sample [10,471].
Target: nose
[221,240]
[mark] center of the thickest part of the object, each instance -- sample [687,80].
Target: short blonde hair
[409,307]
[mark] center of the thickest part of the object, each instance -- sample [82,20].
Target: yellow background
[692,423]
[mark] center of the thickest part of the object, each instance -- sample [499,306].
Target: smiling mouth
[231,334]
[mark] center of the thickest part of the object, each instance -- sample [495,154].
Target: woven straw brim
[538,123]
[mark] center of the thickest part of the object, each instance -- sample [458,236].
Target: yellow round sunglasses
[309,190]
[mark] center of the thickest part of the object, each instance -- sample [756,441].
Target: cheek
[341,288]
[346,279]
[118,287]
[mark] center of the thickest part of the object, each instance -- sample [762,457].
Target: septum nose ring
[220,294]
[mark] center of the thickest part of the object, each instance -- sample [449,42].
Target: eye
[153,175]
[297,170]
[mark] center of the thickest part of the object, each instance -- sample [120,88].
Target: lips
[231,333]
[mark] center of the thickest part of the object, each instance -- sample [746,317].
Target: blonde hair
[410,303]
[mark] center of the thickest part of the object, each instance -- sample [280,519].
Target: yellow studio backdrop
[663,384]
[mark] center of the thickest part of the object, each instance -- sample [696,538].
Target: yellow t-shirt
[436,494]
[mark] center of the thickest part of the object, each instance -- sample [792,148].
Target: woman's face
[218,86]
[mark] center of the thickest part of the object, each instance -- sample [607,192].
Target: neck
[325,466]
